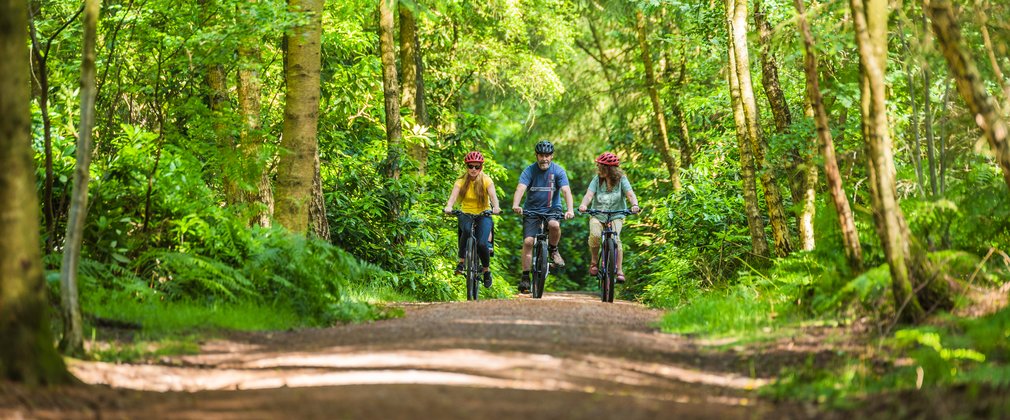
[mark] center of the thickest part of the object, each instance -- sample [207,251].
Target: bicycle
[607,273]
[541,265]
[472,269]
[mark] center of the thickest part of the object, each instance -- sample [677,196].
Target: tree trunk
[755,224]
[737,21]
[969,82]
[299,146]
[42,75]
[390,89]
[27,354]
[916,150]
[251,140]
[802,171]
[217,97]
[846,223]
[660,137]
[927,110]
[908,263]
[72,342]
[997,71]
[413,79]
[319,226]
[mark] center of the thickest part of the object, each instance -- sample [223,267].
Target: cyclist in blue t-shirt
[544,179]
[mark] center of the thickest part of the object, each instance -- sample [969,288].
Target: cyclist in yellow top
[475,192]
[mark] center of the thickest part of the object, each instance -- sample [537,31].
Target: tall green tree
[73,335]
[390,90]
[833,177]
[736,19]
[28,354]
[297,169]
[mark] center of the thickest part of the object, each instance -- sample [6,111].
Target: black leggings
[483,231]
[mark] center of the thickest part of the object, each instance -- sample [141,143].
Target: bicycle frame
[607,273]
[471,262]
[540,266]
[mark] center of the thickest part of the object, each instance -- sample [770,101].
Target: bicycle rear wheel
[609,267]
[540,267]
[473,269]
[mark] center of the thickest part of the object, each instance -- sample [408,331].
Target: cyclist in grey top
[607,191]
[546,181]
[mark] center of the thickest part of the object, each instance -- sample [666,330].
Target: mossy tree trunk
[755,224]
[736,13]
[27,354]
[296,168]
[256,166]
[846,222]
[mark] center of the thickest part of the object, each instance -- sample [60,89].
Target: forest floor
[564,356]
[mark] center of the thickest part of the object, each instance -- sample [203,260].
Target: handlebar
[594,212]
[461,213]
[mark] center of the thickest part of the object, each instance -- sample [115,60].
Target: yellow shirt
[468,199]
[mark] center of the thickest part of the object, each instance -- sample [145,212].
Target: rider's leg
[483,231]
[616,226]
[553,237]
[553,232]
[527,253]
[595,232]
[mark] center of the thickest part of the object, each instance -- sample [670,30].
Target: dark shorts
[531,225]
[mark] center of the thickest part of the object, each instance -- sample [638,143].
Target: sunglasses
[474,166]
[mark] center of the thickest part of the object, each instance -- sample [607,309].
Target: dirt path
[564,356]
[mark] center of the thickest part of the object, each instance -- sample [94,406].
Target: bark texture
[72,342]
[911,274]
[755,224]
[27,354]
[299,147]
[846,222]
[802,174]
[736,11]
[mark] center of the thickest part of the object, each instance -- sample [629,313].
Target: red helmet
[474,157]
[608,159]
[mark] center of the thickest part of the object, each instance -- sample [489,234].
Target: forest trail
[565,356]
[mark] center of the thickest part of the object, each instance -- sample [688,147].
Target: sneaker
[593,270]
[620,277]
[524,286]
[556,258]
[487,279]
[459,269]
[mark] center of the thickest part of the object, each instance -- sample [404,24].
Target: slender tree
[27,354]
[413,80]
[846,222]
[802,172]
[299,145]
[748,176]
[969,81]
[73,336]
[390,90]
[660,137]
[736,12]
[251,141]
[906,258]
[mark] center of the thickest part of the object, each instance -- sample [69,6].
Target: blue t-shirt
[543,187]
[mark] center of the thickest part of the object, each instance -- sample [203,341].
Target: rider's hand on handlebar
[582,209]
[447,210]
[496,210]
[517,209]
[569,215]
[636,209]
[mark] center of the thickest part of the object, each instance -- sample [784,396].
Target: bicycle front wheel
[541,266]
[473,269]
[609,268]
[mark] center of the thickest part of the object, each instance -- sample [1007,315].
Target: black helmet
[545,147]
